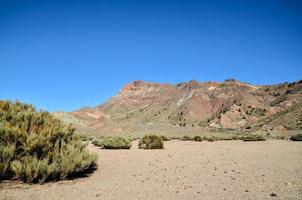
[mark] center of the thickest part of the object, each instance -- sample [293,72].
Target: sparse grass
[297,137]
[116,143]
[36,147]
[151,142]
[253,138]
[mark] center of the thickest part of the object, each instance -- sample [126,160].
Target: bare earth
[183,170]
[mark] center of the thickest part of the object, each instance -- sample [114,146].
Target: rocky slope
[144,107]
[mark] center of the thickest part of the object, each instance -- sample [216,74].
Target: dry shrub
[36,147]
[253,138]
[151,142]
[116,143]
[97,142]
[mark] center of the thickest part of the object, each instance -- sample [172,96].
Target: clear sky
[63,55]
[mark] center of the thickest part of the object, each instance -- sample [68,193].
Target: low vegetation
[211,139]
[82,137]
[186,138]
[97,142]
[198,138]
[36,147]
[164,138]
[151,142]
[253,138]
[225,137]
[91,137]
[116,143]
[297,137]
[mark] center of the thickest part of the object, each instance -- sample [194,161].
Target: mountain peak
[137,85]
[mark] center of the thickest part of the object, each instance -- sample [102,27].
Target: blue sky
[63,55]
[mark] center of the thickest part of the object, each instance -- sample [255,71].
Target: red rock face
[142,106]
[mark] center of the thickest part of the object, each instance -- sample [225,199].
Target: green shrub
[253,138]
[164,138]
[36,147]
[198,138]
[151,142]
[116,143]
[97,142]
[297,137]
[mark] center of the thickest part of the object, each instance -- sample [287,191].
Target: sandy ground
[183,170]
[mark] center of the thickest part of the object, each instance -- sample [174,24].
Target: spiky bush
[116,143]
[36,147]
[297,137]
[151,142]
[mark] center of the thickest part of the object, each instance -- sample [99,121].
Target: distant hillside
[145,107]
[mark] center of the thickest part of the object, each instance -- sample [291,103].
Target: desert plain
[182,170]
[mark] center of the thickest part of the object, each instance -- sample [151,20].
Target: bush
[253,138]
[235,137]
[91,137]
[164,138]
[97,142]
[297,137]
[116,143]
[226,138]
[279,137]
[198,138]
[211,139]
[36,147]
[82,136]
[185,138]
[151,142]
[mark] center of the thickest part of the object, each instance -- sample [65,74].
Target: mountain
[145,107]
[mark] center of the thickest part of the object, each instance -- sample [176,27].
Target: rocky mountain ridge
[147,107]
